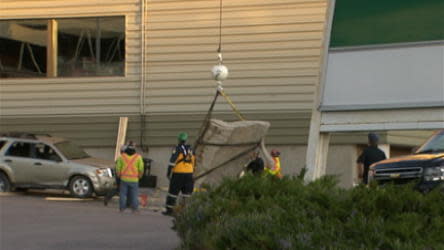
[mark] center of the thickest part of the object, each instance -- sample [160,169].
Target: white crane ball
[220,72]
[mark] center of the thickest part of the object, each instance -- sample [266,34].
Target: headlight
[434,174]
[104,172]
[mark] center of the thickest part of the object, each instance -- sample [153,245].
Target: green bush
[267,213]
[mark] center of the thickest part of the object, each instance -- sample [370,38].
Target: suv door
[18,157]
[53,171]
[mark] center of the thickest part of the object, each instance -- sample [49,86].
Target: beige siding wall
[73,96]
[272,49]
[408,138]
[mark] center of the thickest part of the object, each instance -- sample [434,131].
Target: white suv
[43,161]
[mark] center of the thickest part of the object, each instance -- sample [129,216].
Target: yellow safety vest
[183,165]
[130,171]
[276,170]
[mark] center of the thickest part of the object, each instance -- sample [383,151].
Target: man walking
[129,169]
[180,173]
[369,156]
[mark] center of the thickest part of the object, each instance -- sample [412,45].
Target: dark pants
[179,183]
[129,191]
[365,175]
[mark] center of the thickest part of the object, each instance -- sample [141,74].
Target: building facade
[72,68]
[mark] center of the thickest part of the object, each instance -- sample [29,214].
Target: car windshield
[434,145]
[71,151]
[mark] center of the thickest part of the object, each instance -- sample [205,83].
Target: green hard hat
[182,136]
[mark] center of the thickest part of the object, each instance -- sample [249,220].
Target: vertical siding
[69,96]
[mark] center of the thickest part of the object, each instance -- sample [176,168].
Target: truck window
[434,145]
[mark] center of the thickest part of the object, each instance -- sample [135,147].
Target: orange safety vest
[130,171]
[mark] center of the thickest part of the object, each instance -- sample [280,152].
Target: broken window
[91,46]
[77,47]
[23,48]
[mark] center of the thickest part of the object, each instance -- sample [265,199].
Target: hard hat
[182,136]
[130,145]
[275,153]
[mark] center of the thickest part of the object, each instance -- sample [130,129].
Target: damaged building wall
[65,96]
[272,49]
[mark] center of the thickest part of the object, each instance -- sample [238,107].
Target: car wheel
[5,185]
[80,187]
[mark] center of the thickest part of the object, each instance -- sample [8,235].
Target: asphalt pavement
[42,221]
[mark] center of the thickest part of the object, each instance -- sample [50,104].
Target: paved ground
[31,221]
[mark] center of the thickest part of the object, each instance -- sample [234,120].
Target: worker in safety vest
[275,170]
[112,192]
[180,172]
[129,169]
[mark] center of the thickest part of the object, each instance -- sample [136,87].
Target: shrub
[267,213]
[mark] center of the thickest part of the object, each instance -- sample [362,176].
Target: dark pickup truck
[426,166]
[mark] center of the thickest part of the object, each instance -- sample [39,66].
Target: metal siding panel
[85,95]
[276,44]
[272,49]
[160,130]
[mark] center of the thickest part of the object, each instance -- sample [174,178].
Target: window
[19,149]
[23,48]
[91,46]
[77,47]
[2,143]
[71,151]
[45,152]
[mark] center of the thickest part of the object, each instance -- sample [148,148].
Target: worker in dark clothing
[369,156]
[180,173]
[256,165]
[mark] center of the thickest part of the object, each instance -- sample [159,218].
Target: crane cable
[219,87]
[219,50]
